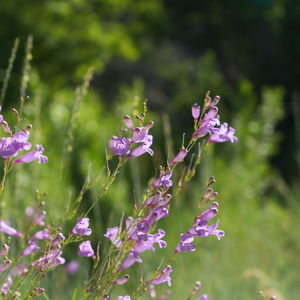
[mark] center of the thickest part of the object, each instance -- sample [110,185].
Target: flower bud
[196,111]
[179,157]
[128,122]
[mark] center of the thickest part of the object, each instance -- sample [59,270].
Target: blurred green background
[171,53]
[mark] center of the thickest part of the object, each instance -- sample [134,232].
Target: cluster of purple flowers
[52,257]
[10,146]
[210,122]
[137,145]
[200,228]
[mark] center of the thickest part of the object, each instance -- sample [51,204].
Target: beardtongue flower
[222,134]
[196,112]
[163,180]
[112,233]
[200,228]
[119,145]
[10,147]
[209,121]
[4,249]
[5,265]
[33,155]
[41,235]
[163,276]
[143,148]
[58,239]
[81,227]
[32,247]
[124,298]
[8,230]
[50,260]
[179,156]
[85,249]
[122,280]
[5,287]
[39,219]
[203,297]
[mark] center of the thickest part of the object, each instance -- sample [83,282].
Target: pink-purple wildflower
[8,229]
[163,276]
[81,227]
[33,155]
[85,249]
[32,247]
[200,228]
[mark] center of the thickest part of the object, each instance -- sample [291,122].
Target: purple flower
[81,227]
[139,135]
[144,242]
[179,156]
[222,134]
[200,228]
[58,239]
[5,265]
[128,122]
[143,148]
[196,112]
[203,297]
[50,260]
[39,219]
[4,249]
[122,280]
[124,298]
[33,155]
[41,235]
[112,234]
[85,249]
[132,258]
[209,121]
[163,276]
[163,180]
[72,267]
[9,147]
[5,287]
[32,247]
[8,230]
[119,145]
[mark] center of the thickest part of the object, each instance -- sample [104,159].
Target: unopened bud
[196,111]
[5,127]
[122,280]
[4,249]
[215,101]
[28,127]
[128,122]
[148,126]
[196,288]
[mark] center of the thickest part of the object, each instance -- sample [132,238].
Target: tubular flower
[5,287]
[179,156]
[10,146]
[222,134]
[209,121]
[163,276]
[81,227]
[85,249]
[119,145]
[163,180]
[200,228]
[8,230]
[33,155]
[32,247]
[50,260]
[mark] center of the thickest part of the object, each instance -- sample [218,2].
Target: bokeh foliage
[169,52]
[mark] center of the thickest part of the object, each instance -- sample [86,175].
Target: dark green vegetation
[171,52]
